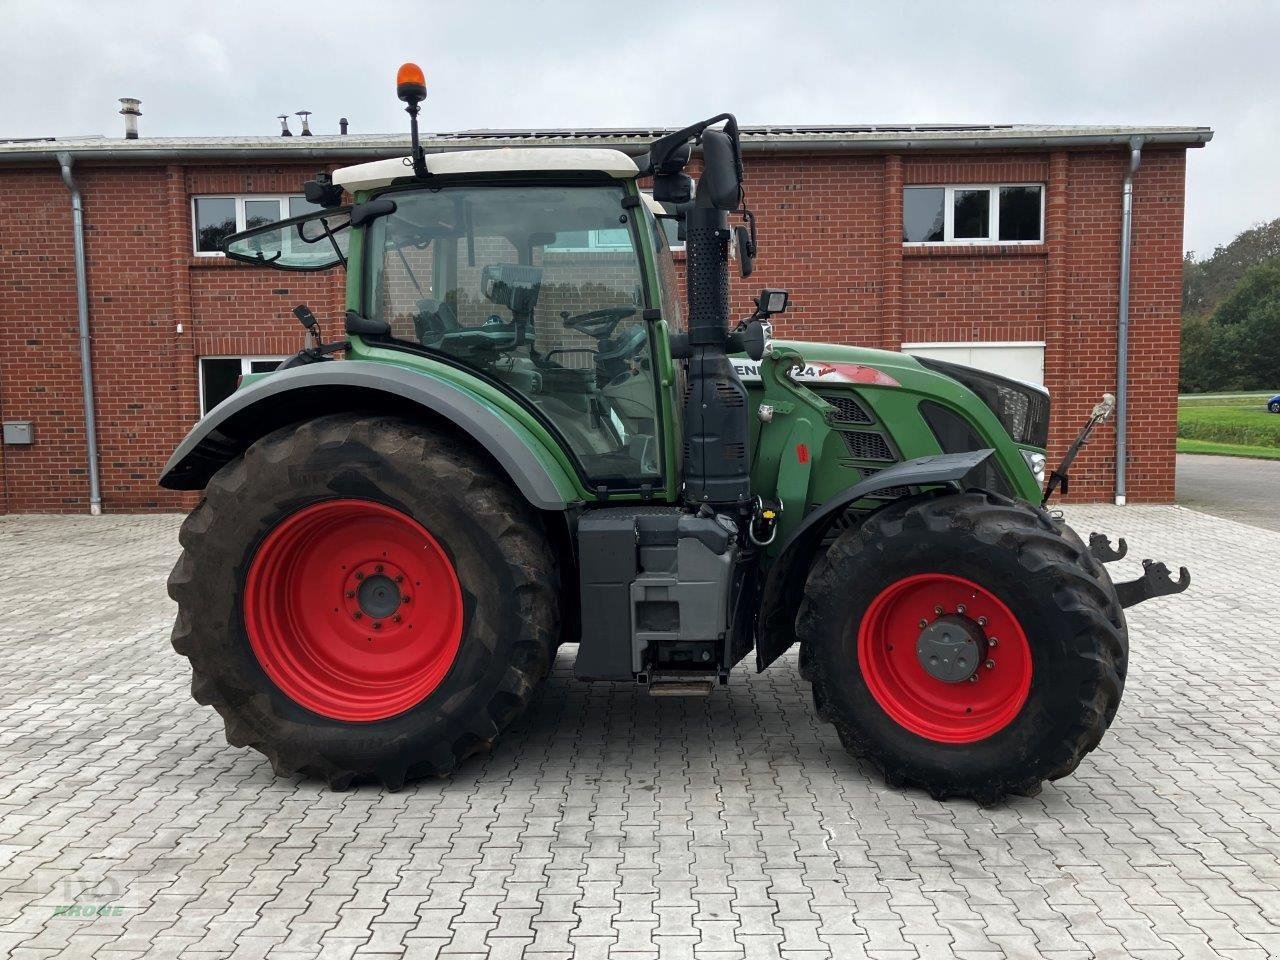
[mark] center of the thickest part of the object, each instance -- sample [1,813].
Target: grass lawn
[1228,449]
[1230,424]
[1256,398]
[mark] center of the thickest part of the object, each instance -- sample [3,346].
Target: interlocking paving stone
[609,824]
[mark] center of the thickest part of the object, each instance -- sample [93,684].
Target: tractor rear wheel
[364,598]
[964,645]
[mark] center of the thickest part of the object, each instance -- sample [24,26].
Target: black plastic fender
[301,393]
[775,625]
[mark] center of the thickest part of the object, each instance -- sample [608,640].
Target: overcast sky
[228,67]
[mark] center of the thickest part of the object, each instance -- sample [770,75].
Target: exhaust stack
[131,110]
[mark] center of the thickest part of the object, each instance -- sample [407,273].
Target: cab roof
[381,173]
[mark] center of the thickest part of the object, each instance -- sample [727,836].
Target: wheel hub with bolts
[951,648]
[376,593]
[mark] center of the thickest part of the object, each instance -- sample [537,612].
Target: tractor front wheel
[964,645]
[364,598]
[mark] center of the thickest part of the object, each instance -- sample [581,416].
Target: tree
[1246,328]
[1231,314]
[1206,283]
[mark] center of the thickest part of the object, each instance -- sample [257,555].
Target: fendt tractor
[530,440]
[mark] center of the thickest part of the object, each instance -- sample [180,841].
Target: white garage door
[1018,359]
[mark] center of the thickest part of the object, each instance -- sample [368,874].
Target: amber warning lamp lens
[411,85]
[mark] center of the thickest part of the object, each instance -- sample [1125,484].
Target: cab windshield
[541,288]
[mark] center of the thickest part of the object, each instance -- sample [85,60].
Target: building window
[216,218]
[1016,359]
[219,376]
[595,241]
[999,213]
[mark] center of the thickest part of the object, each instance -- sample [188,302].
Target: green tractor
[531,440]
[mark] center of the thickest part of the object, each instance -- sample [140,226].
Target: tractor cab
[533,269]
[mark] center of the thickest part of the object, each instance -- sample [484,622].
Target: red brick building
[999,246]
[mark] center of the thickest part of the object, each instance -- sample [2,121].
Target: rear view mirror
[674,188]
[720,179]
[746,250]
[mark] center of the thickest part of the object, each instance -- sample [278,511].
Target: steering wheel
[598,323]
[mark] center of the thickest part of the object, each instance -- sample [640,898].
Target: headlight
[1021,408]
[1035,462]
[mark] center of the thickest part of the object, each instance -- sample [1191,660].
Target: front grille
[848,410]
[866,446]
[1022,409]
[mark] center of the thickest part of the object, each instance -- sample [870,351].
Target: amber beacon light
[411,85]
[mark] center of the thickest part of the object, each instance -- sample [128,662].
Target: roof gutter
[972,143]
[86,352]
[1196,138]
[1122,332]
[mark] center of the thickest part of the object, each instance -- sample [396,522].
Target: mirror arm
[328,232]
[660,150]
[333,242]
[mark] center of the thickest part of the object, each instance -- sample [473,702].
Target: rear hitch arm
[1103,552]
[1154,582]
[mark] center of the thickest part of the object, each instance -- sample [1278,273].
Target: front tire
[364,598]
[1274,406]
[964,645]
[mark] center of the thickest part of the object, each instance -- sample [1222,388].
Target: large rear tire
[965,644]
[364,598]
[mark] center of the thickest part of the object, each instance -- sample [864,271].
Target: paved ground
[611,824]
[1232,487]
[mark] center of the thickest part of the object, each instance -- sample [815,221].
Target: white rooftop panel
[379,173]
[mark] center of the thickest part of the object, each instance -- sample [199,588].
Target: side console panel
[658,592]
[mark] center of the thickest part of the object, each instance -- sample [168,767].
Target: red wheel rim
[940,710]
[353,610]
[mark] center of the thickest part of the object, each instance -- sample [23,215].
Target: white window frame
[246,368]
[282,198]
[993,225]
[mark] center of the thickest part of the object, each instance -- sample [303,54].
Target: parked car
[1274,404]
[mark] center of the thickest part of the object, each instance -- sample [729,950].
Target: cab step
[681,684]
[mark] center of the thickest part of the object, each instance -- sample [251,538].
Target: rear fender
[784,585]
[303,393]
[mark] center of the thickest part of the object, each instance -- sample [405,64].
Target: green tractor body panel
[535,462]
[811,449]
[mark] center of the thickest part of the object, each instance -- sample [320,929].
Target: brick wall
[830,231]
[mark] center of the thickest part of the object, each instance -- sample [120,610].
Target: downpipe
[1122,332]
[86,344]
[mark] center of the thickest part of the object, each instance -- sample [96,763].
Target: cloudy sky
[228,67]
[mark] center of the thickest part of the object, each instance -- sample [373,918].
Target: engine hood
[839,363]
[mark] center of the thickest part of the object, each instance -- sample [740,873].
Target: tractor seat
[433,319]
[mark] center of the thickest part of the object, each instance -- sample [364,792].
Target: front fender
[784,586]
[302,393]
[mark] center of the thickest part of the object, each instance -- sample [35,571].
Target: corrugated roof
[851,137]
